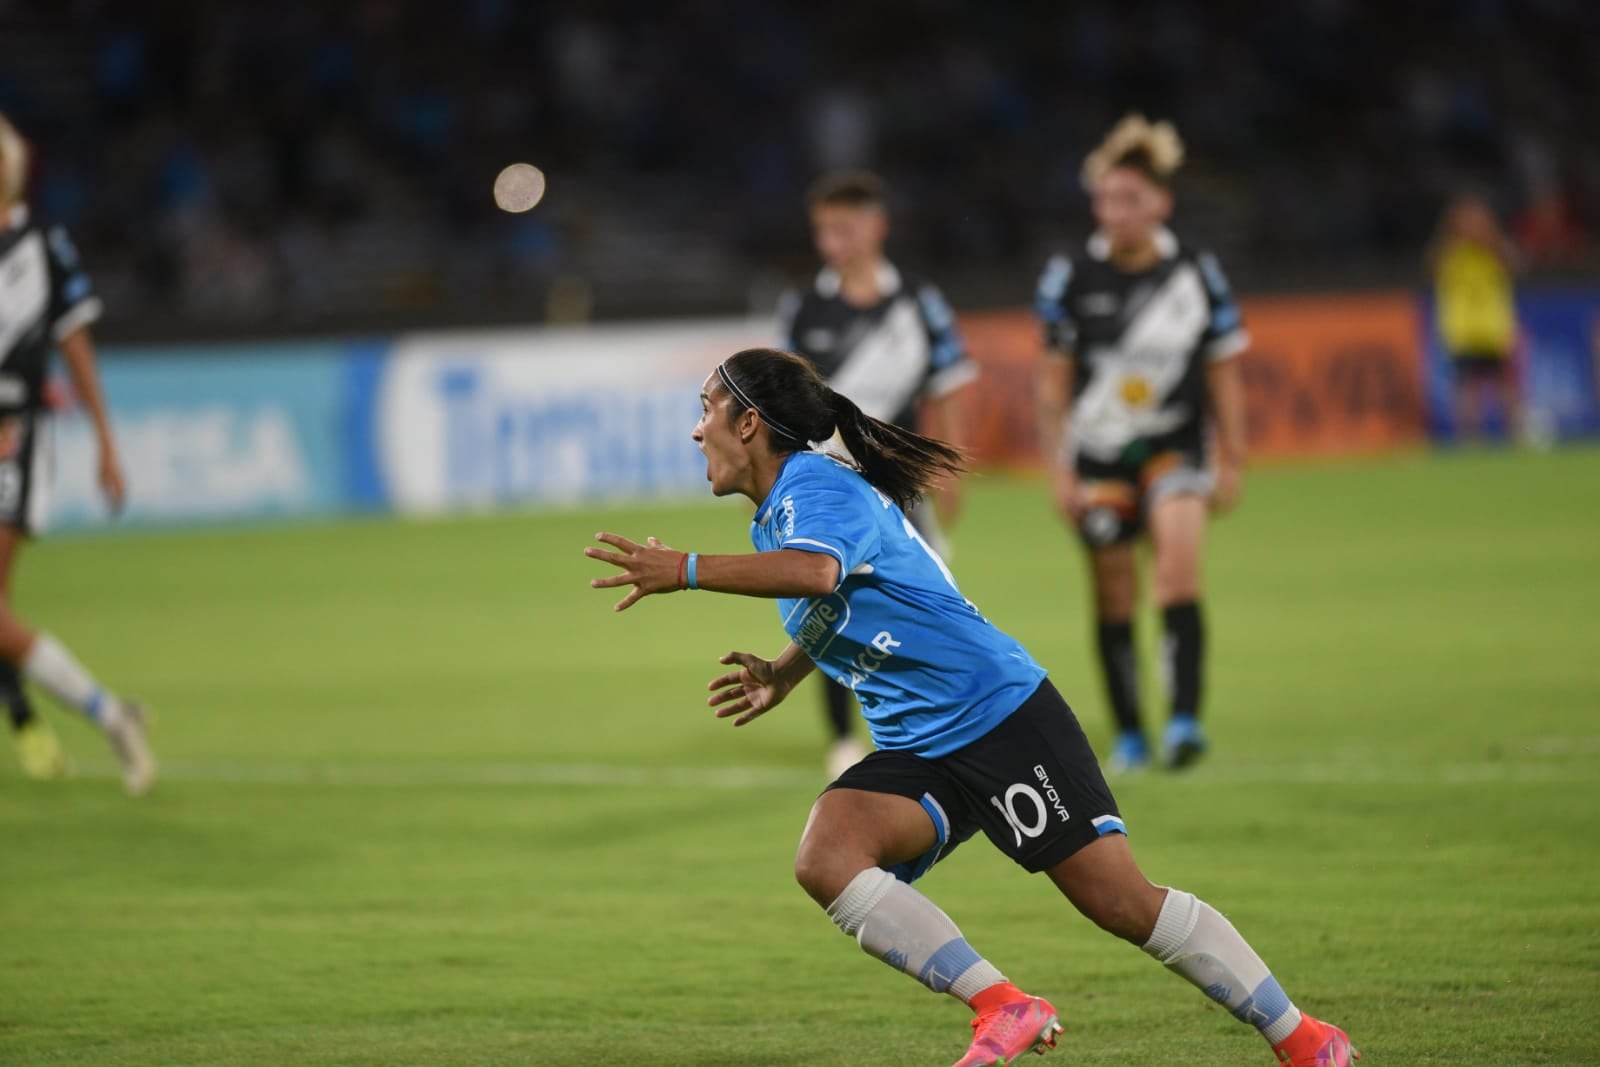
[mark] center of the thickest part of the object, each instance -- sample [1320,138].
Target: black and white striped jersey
[885,357]
[44,296]
[1140,342]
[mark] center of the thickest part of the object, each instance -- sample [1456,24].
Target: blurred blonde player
[1473,263]
[1142,334]
[887,341]
[45,302]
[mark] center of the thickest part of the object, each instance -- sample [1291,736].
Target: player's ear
[746,425]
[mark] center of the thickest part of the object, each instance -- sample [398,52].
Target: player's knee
[1114,595]
[1177,578]
[1180,589]
[820,872]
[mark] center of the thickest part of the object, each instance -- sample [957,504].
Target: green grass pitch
[430,802]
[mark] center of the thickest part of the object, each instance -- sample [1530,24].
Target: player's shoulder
[1204,260]
[824,476]
[819,469]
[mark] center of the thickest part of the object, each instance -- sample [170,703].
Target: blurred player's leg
[1468,419]
[49,665]
[39,751]
[844,750]
[1177,531]
[1115,583]
[1510,397]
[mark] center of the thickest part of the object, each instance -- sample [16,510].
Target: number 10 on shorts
[1032,823]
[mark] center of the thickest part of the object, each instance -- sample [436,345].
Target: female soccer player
[1141,337]
[45,301]
[890,344]
[971,735]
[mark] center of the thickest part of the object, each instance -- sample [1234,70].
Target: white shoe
[133,752]
[844,754]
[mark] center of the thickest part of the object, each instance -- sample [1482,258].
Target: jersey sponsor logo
[1136,391]
[786,505]
[821,623]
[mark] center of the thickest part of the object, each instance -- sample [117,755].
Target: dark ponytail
[798,409]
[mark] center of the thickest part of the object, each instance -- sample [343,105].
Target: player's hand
[112,485]
[1068,494]
[650,568]
[752,690]
[1230,485]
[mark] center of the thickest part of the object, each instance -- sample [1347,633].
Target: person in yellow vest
[1473,264]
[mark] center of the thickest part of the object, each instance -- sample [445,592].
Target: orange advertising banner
[1324,375]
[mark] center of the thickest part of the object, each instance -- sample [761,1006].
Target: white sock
[1193,939]
[898,925]
[50,666]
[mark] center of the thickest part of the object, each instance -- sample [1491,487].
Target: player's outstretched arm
[757,685]
[655,568]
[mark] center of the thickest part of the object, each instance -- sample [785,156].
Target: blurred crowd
[307,160]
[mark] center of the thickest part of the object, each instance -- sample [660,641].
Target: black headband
[739,395]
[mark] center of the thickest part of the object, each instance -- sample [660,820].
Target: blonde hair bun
[1152,147]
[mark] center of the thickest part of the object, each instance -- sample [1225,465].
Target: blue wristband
[694,561]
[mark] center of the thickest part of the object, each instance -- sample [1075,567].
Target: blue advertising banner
[239,432]
[1556,367]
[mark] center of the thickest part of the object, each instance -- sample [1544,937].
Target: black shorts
[24,470]
[1031,784]
[1480,366]
[1119,494]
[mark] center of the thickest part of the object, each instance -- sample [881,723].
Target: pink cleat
[1001,1035]
[1316,1044]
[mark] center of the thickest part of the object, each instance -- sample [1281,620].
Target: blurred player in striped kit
[888,342]
[46,301]
[1142,338]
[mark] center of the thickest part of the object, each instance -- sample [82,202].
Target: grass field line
[600,775]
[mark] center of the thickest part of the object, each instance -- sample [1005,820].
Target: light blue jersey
[931,673]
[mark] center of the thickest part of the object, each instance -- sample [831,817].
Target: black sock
[1185,651]
[1121,671]
[14,696]
[840,708]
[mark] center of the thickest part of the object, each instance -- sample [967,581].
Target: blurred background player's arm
[73,307]
[1225,341]
[944,409]
[78,351]
[1057,381]
[1057,375]
[1226,386]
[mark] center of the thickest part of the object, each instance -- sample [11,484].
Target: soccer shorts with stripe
[1031,784]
